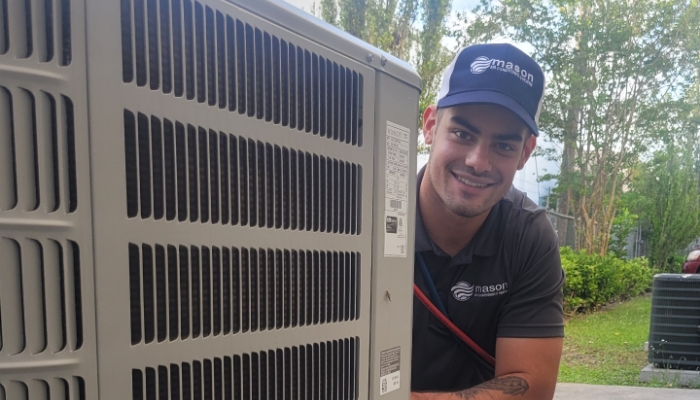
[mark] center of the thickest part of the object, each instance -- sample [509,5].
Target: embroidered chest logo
[463,291]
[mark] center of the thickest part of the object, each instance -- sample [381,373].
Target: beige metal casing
[228,165]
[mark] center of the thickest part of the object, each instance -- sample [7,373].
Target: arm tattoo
[510,385]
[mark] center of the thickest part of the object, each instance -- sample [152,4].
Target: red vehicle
[692,263]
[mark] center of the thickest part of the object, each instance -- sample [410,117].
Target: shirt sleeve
[534,307]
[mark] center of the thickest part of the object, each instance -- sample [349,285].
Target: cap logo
[481,64]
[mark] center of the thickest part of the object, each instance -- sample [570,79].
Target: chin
[468,211]
[473,206]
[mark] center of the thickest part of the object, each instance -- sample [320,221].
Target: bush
[673,264]
[592,280]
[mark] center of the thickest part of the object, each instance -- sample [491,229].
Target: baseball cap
[495,73]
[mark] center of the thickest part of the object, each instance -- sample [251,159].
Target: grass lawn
[607,347]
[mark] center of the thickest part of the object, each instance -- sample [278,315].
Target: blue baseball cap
[495,73]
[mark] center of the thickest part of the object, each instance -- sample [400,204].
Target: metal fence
[565,226]
[637,245]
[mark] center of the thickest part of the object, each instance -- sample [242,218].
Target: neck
[448,230]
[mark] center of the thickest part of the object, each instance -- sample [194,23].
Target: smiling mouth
[472,183]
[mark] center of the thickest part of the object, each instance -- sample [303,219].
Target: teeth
[470,183]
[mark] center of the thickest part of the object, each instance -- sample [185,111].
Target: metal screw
[370,57]
[384,61]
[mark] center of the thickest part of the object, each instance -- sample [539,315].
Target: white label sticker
[396,190]
[395,234]
[390,383]
[389,370]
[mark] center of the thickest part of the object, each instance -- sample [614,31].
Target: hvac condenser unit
[201,199]
[674,334]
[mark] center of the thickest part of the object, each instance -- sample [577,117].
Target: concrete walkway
[576,391]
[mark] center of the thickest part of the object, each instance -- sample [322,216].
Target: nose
[478,158]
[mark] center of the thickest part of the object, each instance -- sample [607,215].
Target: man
[490,252]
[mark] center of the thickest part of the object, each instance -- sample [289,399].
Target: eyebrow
[508,137]
[466,124]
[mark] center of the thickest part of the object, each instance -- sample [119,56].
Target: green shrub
[673,264]
[592,280]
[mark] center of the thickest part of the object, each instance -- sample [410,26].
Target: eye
[505,147]
[463,135]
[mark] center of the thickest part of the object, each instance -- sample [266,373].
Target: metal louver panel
[674,334]
[37,142]
[37,29]
[178,171]
[326,370]
[182,293]
[72,388]
[47,303]
[185,48]
[41,299]
[4,34]
[238,184]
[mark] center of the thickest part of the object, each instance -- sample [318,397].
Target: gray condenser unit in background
[674,333]
[202,199]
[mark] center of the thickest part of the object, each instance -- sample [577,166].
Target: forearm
[507,387]
[501,388]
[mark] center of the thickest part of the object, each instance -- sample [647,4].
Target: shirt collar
[485,243]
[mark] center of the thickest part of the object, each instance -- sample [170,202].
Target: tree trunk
[565,203]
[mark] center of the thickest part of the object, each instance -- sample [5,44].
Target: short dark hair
[439,112]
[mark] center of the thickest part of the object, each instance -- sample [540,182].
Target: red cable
[451,326]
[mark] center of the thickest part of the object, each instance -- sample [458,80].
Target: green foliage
[673,264]
[607,347]
[622,100]
[423,148]
[623,225]
[592,280]
[329,11]
[615,69]
[432,57]
[352,16]
[669,199]
[412,30]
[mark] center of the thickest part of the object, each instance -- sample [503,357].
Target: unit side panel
[394,216]
[47,313]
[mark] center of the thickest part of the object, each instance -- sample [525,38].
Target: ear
[528,148]
[429,123]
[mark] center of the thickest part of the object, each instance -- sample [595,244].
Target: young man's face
[475,151]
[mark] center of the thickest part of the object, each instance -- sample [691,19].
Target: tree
[352,16]
[612,67]
[411,30]
[670,207]
[432,58]
[623,225]
[329,11]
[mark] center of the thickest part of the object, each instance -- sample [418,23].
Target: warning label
[396,190]
[389,370]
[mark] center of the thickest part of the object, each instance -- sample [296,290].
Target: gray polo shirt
[507,282]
